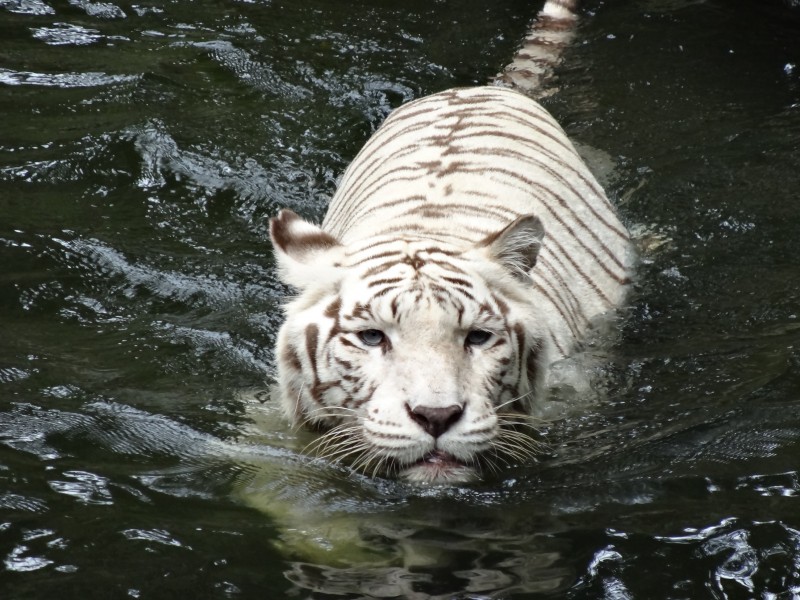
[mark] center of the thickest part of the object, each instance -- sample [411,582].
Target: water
[143,148]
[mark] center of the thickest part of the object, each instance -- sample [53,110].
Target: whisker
[360,450]
[361,463]
[370,461]
[519,427]
[491,463]
[336,449]
[298,424]
[515,414]
[520,437]
[514,444]
[521,448]
[321,443]
[505,453]
[332,447]
[332,409]
[513,400]
[342,452]
[314,418]
[378,466]
[514,441]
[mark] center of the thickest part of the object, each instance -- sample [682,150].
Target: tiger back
[460,165]
[467,247]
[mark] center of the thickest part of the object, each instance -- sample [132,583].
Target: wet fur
[468,211]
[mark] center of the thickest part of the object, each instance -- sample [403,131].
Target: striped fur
[531,70]
[468,247]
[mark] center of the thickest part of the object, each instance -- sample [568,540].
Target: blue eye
[477,337]
[372,337]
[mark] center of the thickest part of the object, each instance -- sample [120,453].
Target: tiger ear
[306,254]
[517,246]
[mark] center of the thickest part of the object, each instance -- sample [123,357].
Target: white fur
[467,211]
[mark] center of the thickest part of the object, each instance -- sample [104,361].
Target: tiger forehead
[415,262]
[414,280]
[418,305]
[405,294]
[387,253]
[410,263]
[417,272]
[414,268]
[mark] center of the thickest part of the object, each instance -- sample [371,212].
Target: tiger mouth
[438,466]
[440,459]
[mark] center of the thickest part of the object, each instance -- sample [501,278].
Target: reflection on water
[143,148]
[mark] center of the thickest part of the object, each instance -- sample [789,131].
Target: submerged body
[468,247]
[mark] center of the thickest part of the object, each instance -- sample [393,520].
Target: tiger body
[467,248]
[458,166]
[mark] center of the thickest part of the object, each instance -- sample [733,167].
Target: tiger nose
[435,420]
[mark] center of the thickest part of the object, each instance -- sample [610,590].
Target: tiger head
[412,357]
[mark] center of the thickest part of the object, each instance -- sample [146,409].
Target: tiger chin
[467,247]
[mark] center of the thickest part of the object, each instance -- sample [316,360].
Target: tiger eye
[372,337]
[477,337]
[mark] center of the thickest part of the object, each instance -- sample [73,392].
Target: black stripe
[574,307]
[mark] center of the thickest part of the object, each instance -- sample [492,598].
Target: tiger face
[412,357]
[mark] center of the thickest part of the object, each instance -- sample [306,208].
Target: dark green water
[143,148]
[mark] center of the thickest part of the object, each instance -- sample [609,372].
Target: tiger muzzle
[435,420]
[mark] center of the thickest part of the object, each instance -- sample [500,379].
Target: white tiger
[467,247]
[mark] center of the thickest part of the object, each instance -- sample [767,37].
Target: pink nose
[435,420]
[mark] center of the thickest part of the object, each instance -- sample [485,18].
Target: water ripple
[101,10]
[63,80]
[66,34]
[18,560]
[240,352]
[159,536]
[126,430]
[161,156]
[71,164]
[27,428]
[389,582]
[9,374]
[87,487]
[27,7]
[777,484]
[739,559]
[257,75]
[16,502]
[172,285]
[115,427]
